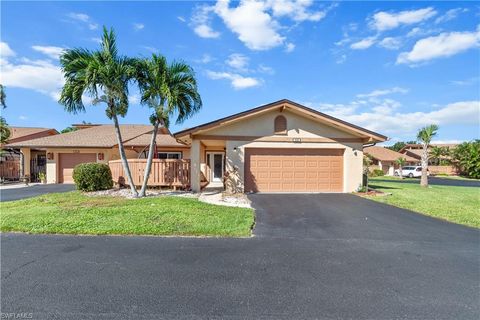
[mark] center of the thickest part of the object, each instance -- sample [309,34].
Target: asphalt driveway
[17,193]
[438,181]
[323,256]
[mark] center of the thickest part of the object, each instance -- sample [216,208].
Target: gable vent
[280,125]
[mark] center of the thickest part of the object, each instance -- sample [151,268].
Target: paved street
[333,256]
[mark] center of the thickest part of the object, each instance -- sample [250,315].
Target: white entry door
[216,164]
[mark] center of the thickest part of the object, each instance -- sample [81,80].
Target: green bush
[467,158]
[377,173]
[92,176]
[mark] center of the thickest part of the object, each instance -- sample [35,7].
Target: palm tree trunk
[424,178]
[123,156]
[151,152]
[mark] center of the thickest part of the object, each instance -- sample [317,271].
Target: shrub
[92,176]
[377,173]
[467,158]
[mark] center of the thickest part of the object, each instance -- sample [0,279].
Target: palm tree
[401,162]
[103,75]
[436,153]
[167,89]
[424,136]
[3,97]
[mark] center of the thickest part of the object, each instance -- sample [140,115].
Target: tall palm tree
[103,75]
[424,136]
[401,162]
[168,89]
[3,97]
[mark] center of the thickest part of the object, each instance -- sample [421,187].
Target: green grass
[75,213]
[455,204]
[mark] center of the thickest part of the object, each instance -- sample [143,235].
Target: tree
[104,75]
[424,136]
[401,162]
[367,162]
[436,154]
[167,89]
[69,129]
[399,145]
[4,130]
[3,97]
[466,157]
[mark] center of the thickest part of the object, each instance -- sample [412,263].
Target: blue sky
[390,67]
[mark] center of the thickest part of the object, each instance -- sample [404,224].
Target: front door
[216,160]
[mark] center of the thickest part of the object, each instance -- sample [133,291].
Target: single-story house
[279,147]
[10,158]
[415,150]
[96,143]
[385,159]
[435,166]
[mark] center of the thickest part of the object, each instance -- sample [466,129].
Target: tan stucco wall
[263,125]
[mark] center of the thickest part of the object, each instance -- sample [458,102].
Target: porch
[173,173]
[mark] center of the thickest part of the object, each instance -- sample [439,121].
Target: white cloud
[265,69]
[390,43]
[201,22]
[450,15]
[206,58]
[84,18]
[96,39]
[138,26]
[6,51]
[50,51]
[395,121]
[383,92]
[39,75]
[341,59]
[254,27]
[22,117]
[382,20]
[182,19]
[134,99]
[237,61]
[289,47]
[363,44]
[444,45]
[237,81]
[296,10]
[465,82]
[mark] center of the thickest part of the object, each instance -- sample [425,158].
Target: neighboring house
[278,147]
[385,159]
[10,158]
[96,143]
[415,151]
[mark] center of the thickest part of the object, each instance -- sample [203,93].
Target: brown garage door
[68,161]
[293,170]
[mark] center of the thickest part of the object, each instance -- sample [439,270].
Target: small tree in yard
[466,157]
[367,162]
[167,89]
[424,136]
[401,162]
[104,75]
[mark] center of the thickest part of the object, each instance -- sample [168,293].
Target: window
[169,155]
[280,125]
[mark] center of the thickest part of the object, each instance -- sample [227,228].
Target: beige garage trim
[68,161]
[293,170]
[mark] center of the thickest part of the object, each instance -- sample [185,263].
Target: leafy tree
[4,130]
[69,129]
[3,97]
[399,145]
[424,136]
[466,157]
[436,154]
[401,162]
[167,89]
[104,75]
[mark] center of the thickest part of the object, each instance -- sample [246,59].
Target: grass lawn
[455,204]
[75,213]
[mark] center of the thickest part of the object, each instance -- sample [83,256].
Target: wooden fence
[164,173]
[10,169]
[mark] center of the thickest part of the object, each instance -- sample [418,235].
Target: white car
[411,171]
